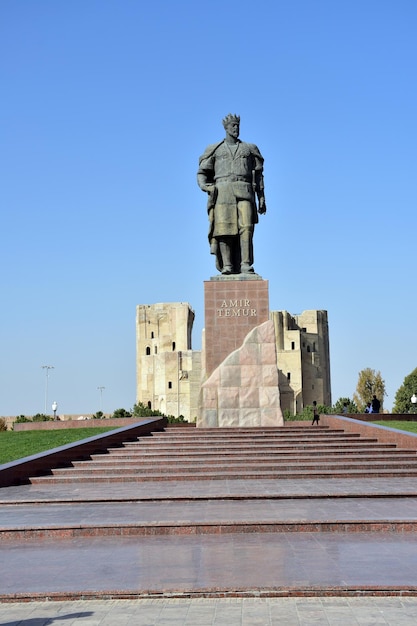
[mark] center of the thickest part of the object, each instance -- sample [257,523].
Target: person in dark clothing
[376,405]
[316,416]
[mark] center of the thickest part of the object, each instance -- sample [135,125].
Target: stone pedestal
[233,307]
[240,373]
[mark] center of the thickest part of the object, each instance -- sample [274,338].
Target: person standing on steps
[316,415]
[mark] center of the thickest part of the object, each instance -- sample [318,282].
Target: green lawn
[409,426]
[16,445]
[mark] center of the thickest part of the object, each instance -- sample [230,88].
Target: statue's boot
[226,257]
[246,251]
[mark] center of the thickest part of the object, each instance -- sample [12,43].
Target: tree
[402,403]
[141,410]
[41,417]
[121,413]
[307,412]
[370,383]
[338,406]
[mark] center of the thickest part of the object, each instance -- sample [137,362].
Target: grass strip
[16,445]
[410,427]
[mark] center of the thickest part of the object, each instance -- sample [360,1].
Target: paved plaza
[333,611]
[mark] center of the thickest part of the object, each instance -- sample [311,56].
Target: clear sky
[106,106]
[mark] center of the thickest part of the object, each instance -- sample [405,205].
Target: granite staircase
[183,454]
[296,510]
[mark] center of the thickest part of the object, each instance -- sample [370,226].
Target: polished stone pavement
[176,515]
[197,489]
[201,564]
[222,560]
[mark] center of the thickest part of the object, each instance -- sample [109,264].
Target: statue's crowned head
[231,119]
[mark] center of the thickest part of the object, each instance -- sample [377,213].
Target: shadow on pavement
[35,621]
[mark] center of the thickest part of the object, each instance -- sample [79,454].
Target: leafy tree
[402,403]
[121,413]
[288,415]
[41,417]
[338,406]
[98,416]
[177,420]
[370,383]
[307,412]
[141,410]
[20,419]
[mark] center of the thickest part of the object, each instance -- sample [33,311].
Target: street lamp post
[54,408]
[46,368]
[101,397]
[414,401]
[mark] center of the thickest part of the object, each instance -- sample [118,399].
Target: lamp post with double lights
[46,368]
[101,397]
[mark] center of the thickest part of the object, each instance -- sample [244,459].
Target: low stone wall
[11,419]
[384,434]
[88,423]
[383,417]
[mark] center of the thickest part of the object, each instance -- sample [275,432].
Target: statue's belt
[232,179]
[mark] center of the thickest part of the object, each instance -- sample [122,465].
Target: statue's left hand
[262,206]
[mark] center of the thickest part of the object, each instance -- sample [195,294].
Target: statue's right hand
[262,206]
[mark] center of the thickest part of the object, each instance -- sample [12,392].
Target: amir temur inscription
[231,172]
[236,308]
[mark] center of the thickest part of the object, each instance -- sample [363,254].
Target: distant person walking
[345,408]
[316,415]
[375,404]
[368,408]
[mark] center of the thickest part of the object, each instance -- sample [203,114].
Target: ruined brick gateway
[169,371]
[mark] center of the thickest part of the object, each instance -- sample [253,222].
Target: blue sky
[106,106]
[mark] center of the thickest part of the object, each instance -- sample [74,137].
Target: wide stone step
[213,459]
[210,455]
[73,531]
[305,434]
[362,473]
[231,430]
[280,457]
[222,445]
[90,469]
[223,515]
[257,449]
[192,466]
[291,437]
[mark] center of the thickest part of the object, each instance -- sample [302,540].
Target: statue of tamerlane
[231,172]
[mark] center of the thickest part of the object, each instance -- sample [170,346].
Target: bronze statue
[231,172]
